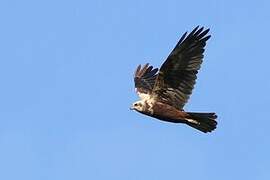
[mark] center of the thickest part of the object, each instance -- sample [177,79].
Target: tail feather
[205,122]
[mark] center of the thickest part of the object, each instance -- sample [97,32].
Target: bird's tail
[205,122]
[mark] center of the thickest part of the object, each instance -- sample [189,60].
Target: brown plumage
[164,92]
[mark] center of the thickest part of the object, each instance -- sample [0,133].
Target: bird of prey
[164,92]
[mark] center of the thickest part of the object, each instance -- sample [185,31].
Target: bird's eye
[135,104]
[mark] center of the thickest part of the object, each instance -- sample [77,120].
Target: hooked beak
[131,108]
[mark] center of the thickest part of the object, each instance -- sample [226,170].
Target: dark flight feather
[178,74]
[144,78]
[205,122]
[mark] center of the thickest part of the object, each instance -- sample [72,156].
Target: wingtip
[137,70]
[194,30]
[142,69]
[197,27]
[202,28]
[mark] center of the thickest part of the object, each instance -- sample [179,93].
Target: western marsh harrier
[164,92]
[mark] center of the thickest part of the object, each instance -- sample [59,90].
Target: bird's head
[138,106]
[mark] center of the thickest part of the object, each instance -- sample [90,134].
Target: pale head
[138,106]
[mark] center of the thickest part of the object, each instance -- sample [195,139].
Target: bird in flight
[164,92]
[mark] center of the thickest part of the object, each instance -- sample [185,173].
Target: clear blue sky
[66,86]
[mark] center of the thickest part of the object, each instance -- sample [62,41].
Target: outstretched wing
[177,75]
[144,79]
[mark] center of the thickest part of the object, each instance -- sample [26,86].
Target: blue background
[66,72]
